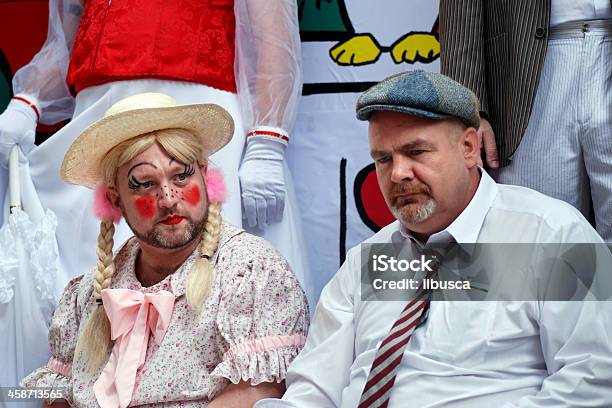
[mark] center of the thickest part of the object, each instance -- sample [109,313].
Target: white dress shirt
[466,354]
[562,11]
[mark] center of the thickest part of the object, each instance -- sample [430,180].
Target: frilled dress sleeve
[43,80]
[263,317]
[63,333]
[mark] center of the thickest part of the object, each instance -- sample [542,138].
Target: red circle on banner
[369,200]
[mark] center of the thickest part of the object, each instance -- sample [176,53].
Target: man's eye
[417,152]
[188,172]
[182,176]
[136,184]
[383,159]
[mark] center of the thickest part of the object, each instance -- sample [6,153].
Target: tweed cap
[426,94]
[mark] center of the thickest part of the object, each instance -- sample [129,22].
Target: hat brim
[365,112]
[81,165]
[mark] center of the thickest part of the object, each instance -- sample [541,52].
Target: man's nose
[168,196]
[402,170]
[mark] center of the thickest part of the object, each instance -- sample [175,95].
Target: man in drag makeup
[189,312]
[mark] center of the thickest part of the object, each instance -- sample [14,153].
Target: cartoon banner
[347,46]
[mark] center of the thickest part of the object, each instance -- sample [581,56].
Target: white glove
[262,181]
[17,127]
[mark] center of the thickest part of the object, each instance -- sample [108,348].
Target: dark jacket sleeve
[462,38]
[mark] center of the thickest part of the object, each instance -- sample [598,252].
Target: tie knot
[434,259]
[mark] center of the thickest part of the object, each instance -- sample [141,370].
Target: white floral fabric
[251,327]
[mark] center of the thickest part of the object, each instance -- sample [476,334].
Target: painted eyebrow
[180,163]
[141,164]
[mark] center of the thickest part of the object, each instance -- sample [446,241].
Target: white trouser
[566,151]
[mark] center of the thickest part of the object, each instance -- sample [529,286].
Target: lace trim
[38,243]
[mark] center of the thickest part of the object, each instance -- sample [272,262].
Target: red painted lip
[172,220]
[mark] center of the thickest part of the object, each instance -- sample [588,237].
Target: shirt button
[540,32]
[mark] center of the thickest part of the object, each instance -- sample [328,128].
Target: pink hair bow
[215,186]
[133,316]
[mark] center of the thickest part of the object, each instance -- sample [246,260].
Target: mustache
[398,190]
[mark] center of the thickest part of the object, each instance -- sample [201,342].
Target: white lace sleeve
[43,80]
[268,62]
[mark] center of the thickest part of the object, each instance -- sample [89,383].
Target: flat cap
[426,94]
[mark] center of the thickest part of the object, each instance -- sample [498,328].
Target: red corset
[188,40]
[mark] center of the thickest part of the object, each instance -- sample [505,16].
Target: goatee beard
[406,212]
[155,237]
[420,214]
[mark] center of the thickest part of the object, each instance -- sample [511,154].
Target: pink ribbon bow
[132,315]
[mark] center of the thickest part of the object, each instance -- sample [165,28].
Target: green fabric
[5,92]
[322,15]
[5,82]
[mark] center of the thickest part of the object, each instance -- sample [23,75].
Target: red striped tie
[389,354]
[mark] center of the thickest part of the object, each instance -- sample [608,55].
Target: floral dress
[251,327]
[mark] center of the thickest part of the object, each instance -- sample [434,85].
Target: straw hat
[137,115]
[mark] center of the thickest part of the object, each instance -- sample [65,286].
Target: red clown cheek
[146,206]
[192,195]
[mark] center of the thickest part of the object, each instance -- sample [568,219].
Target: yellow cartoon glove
[415,47]
[358,50]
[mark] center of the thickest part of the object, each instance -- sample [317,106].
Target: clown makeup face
[162,199]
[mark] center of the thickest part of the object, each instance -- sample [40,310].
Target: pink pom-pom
[102,208]
[215,187]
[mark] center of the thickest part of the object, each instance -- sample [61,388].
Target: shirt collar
[466,227]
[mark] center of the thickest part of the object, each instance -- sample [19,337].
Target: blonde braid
[95,339]
[201,276]
[106,266]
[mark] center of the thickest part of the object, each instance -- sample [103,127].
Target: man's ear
[471,146]
[113,198]
[106,204]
